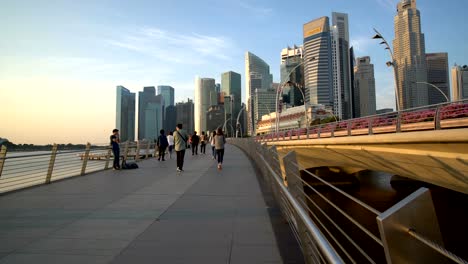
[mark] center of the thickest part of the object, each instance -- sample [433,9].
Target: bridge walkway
[149,215]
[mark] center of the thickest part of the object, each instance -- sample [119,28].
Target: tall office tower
[218,87]
[257,76]
[185,114]
[215,118]
[231,86]
[459,82]
[318,62]
[150,113]
[264,103]
[170,117]
[352,62]
[292,70]
[364,88]
[205,96]
[341,66]
[438,75]
[125,114]
[410,56]
[167,93]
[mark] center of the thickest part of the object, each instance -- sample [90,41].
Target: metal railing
[431,117]
[25,169]
[313,215]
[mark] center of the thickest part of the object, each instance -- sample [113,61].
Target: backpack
[129,165]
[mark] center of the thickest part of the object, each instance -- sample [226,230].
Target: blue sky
[70,55]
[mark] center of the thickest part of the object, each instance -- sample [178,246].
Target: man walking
[180,144]
[114,141]
[195,141]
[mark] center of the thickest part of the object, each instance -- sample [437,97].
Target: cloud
[258,10]
[192,48]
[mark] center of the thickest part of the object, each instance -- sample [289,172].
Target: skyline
[79,53]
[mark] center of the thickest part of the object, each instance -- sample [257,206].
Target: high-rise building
[438,75]
[257,76]
[215,118]
[264,103]
[459,82]
[185,114]
[170,117]
[205,96]
[341,66]
[292,69]
[150,113]
[364,88]
[410,56]
[218,87]
[352,62]
[167,93]
[231,86]
[125,114]
[318,76]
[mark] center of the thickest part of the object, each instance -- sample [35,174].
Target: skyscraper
[364,88]
[264,103]
[150,113]
[170,117]
[410,56]
[231,86]
[459,82]
[341,66]
[125,114]
[257,76]
[318,62]
[352,62]
[205,96]
[292,70]
[438,75]
[167,92]
[185,115]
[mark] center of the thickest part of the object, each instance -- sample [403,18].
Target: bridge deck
[149,215]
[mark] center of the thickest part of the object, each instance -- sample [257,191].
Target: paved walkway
[149,215]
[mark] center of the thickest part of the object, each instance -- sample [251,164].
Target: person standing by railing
[203,143]
[170,140]
[114,141]
[219,141]
[162,144]
[180,144]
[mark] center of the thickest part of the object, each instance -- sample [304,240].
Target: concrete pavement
[149,215]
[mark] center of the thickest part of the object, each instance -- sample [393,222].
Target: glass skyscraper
[125,114]
[167,93]
[150,113]
[364,88]
[438,75]
[231,86]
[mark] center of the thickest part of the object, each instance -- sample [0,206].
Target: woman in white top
[170,140]
[212,142]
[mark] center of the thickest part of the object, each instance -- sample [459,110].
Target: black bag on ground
[129,165]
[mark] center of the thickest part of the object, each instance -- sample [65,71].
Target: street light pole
[238,116]
[438,89]
[392,63]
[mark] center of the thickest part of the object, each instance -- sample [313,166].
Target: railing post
[147,149]
[398,122]
[371,132]
[319,130]
[298,134]
[137,151]
[51,163]
[307,131]
[85,159]
[3,153]
[348,127]
[290,134]
[333,130]
[436,119]
[125,154]
[109,151]
[155,150]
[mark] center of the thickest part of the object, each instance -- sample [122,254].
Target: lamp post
[280,90]
[238,123]
[390,63]
[438,89]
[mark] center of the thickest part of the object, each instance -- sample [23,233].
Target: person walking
[219,141]
[195,140]
[180,144]
[162,144]
[114,141]
[212,143]
[203,143]
[170,141]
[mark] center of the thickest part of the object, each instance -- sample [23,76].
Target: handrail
[326,248]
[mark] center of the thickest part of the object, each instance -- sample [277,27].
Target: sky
[60,60]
